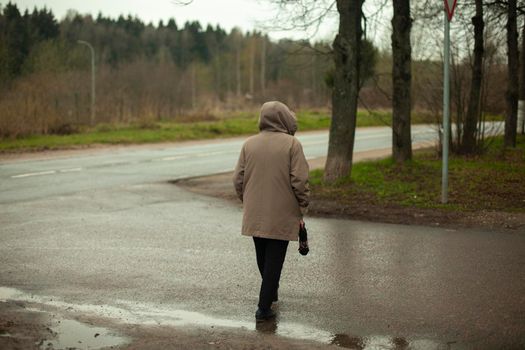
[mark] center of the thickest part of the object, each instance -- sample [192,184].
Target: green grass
[492,181]
[169,131]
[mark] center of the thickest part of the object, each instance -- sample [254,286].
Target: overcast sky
[246,14]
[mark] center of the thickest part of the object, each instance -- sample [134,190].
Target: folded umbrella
[303,240]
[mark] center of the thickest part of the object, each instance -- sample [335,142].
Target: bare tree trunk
[401,80]
[252,65]
[193,87]
[313,101]
[229,77]
[521,102]
[346,46]
[219,93]
[512,89]
[468,144]
[263,66]
[458,95]
[238,68]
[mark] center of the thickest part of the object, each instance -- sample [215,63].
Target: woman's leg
[275,253]
[260,252]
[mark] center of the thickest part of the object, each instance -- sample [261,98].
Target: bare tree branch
[306,15]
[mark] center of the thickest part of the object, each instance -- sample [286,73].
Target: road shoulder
[220,186]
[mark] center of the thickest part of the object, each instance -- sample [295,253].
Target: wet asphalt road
[29,180]
[115,233]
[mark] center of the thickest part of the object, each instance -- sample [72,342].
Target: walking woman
[271,179]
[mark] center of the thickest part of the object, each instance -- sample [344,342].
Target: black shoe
[262,315]
[275,298]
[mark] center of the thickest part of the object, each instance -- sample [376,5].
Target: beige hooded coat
[271,177]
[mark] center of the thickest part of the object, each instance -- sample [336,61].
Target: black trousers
[270,258]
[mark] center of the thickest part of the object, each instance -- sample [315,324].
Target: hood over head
[276,116]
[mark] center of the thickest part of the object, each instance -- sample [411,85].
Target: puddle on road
[73,334]
[4,333]
[9,293]
[70,334]
[382,342]
[149,314]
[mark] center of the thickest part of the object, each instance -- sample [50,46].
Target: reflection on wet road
[75,335]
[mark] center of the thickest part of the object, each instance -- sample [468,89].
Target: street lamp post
[93,97]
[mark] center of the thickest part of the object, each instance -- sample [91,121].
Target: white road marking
[70,170]
[213,153]
[200,155]
[34,174]
[165,159]
[48,172]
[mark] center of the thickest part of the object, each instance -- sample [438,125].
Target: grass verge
[494,181]
[169,131]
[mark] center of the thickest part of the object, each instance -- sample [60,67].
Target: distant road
[32,179]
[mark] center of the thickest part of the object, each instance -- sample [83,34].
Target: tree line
[144,71]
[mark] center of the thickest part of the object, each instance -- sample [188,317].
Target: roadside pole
[450,5]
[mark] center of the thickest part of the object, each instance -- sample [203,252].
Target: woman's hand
[301,223]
